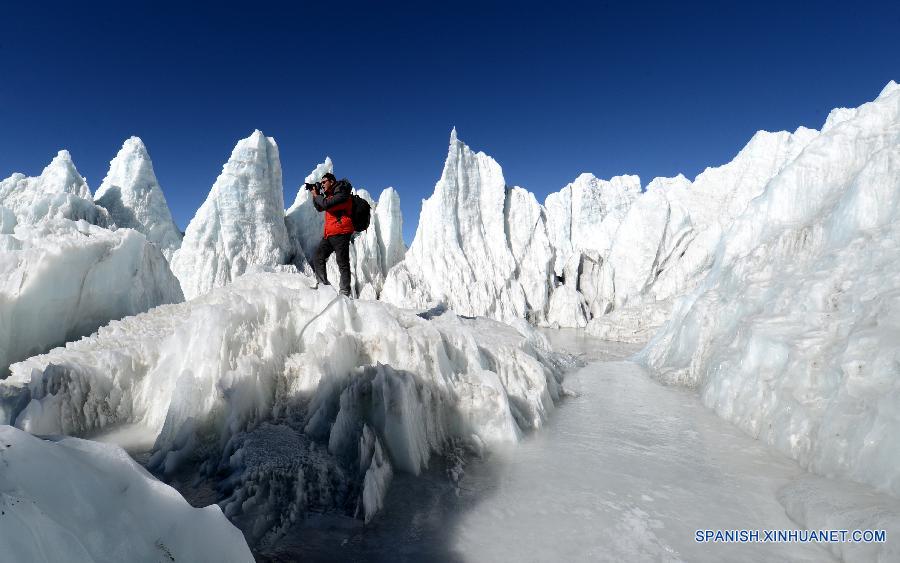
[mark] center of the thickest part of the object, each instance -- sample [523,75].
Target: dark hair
[329,176]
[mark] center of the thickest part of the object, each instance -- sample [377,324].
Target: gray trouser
[340,245]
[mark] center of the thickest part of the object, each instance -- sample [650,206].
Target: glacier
[81,501]
[608,255]
[134,199]
[303,399]
[65,266]
[767,284]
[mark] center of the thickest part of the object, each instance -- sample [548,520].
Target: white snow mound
[81,501]
[275,382]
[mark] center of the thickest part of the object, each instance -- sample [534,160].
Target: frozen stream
[625,471]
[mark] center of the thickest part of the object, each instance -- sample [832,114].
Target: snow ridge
[462,254]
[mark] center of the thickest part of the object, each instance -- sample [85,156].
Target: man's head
[328,181]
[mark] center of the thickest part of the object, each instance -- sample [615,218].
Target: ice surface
[793,334]
[207,375]
[818,503]
[627,470]
[59,192]
[134,199]
[240,225]
[61,280]
[81,501]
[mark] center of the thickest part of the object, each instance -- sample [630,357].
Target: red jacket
[337,205]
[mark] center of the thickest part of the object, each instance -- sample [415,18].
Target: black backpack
[360,213]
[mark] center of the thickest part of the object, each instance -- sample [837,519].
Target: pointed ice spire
[241,223]
[888,89]
[134,199]
[61,176]
[59,192]
[461,250]
[320,170]
[389,221]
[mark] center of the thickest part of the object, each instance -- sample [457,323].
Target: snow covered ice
[61,280]
[462,254]
[268,365]
[81,501]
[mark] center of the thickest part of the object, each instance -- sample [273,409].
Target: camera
[315,186]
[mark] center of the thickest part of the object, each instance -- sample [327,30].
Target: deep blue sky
[548,89]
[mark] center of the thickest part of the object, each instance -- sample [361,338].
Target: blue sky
[548,89]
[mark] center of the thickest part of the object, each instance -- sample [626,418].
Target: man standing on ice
[333,197]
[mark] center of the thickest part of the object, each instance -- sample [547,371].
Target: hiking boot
[346,294]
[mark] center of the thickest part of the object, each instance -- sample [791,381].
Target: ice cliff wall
[792,335]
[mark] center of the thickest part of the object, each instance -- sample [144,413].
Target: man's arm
[341,194]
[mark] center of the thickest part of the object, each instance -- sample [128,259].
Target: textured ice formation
[60,280]
[665,244]
[792,335]
[586,214]
[241,224]
[81,501]
[59,192]
[598,253]
[134,199]
[275,384]
[470,250]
